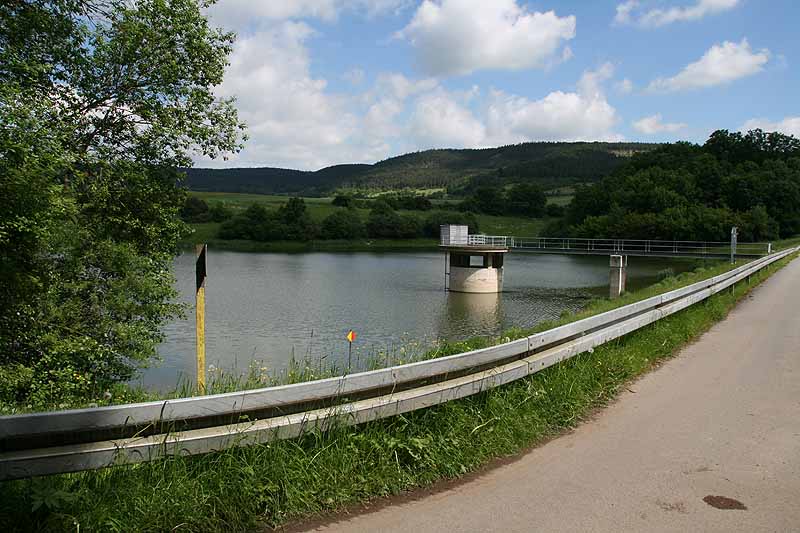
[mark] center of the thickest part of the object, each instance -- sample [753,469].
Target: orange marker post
[351,336]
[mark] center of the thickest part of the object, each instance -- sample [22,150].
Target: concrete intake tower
[473,263]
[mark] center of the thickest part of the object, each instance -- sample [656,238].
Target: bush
[342,201]
[219,212]
[555,210]
[290,222]
[195,210]
[385,223]
[343,224]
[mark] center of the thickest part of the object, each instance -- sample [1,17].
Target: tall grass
[268,485]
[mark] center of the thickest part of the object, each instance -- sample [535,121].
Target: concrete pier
[473,263]
[618,275]
[476,271]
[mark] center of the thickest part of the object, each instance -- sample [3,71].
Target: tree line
[683,191]
[291,221]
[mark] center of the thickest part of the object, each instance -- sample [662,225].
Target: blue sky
[322,82]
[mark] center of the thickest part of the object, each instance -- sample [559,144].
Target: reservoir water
[268,308]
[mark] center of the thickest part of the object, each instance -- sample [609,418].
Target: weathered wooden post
[200,315]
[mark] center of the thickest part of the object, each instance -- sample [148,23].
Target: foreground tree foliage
[687,192]
[100,102]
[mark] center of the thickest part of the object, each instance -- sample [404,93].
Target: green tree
[526,199]
[219,212]
[195,210]
[385,223]
[343,224]
[341,200]
[101,101]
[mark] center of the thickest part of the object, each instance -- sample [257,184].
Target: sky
[324,82]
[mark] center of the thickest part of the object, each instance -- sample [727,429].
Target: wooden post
[200,315]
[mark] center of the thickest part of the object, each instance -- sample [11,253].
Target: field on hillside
[318,208]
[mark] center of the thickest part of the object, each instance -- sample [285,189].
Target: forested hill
[550,164]
[684,191]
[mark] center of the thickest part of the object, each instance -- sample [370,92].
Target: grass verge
[243,489]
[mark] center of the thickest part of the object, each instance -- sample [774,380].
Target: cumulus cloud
[629,12]
[293,119]
[454,37]
[440,120]
[386,101]
[559,116]
[788,126]
[722,63]
[653,124]
[444,119]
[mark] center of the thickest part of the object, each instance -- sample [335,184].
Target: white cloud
[296,121]
[293,120]
[455,37]
[788,126]
[653,124]
[626,12]
[565,116]
[439,120]
[239,13]
[722,63]
[624,86]
[591,83]
[400,87]
[445,119]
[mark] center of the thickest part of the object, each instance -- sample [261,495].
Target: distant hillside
[266,180]
[549,164]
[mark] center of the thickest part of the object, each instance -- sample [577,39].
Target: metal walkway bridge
[628,247]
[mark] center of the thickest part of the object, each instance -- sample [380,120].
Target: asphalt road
[720,419]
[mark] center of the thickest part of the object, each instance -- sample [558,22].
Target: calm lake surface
[267,308]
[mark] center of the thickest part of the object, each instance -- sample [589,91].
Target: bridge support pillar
[476,271]
[618,275]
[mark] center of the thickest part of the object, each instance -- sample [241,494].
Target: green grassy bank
[244,489]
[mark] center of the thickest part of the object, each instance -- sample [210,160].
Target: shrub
[343,224]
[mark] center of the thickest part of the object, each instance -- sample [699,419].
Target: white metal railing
[70,441]
[616,246]
[497,241]
[642,247]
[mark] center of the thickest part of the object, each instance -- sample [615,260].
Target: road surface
[720,419]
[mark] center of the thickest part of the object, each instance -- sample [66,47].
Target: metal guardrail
[68,441]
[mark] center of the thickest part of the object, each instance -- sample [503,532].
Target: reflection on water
[481,313]
[271,307]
